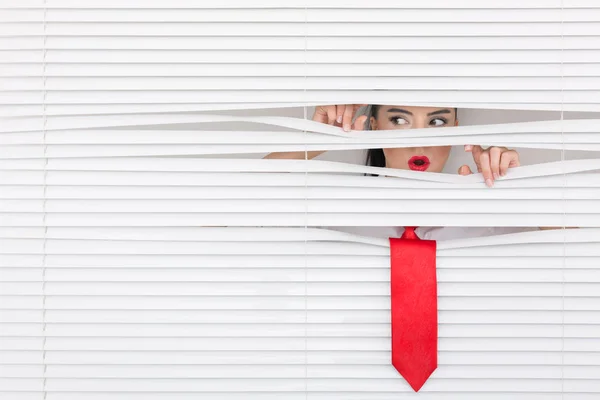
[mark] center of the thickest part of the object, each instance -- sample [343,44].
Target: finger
[331,114]
[359,124]
[508,160]
[320,114]
[465,170]
[495,154]
[322,110]
[486,168]
[339,114]
[348,114]
[477,151]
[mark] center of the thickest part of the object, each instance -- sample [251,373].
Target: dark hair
[376,157]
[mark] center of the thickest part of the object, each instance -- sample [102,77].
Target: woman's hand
[493,162]
[340,115]
[332,115]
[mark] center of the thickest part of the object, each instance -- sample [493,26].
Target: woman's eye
[437,122]
[399,121]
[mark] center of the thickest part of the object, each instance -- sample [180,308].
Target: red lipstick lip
[422,167]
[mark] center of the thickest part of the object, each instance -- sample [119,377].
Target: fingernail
[495,175]
[346,127]
[339,119]
[489,182]
[468,147]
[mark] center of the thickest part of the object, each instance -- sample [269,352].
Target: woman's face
[431,158]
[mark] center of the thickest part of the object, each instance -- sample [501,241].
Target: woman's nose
[418,124]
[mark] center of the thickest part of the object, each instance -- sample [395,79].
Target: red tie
[414,307]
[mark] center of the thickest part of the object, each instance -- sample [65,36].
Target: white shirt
[430,233]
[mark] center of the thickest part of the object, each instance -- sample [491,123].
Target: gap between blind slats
[579,135]
[297,43]
[576,100]
[26,126]
[26,57]
[151,85]
[270,4]
[570,135]
[276,395]
[299,15]
[310,28]
[30,120]
[537,174]
[23,310]
[288,43]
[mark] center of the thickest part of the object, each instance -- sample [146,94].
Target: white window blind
[140,260]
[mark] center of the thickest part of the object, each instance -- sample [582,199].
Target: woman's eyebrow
[444,111]
[399,110]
